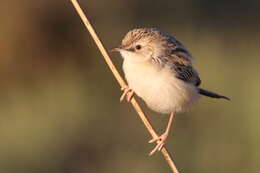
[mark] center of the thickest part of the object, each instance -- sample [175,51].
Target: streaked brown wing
[182,68]
[186,73]
[180,60]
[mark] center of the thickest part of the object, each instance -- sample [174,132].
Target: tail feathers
[212,94]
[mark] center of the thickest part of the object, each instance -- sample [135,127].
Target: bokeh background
[59,103]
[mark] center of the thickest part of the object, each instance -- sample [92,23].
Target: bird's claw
[160,143]
[127,92]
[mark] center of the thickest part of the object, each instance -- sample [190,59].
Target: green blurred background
[59,104]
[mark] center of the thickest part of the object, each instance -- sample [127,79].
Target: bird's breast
[159,87]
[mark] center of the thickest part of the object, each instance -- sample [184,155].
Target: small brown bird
[158,68]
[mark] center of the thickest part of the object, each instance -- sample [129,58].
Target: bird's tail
[212,94]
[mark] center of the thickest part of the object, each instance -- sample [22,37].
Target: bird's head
[142,44]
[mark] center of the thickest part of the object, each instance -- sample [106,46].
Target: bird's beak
[116,49]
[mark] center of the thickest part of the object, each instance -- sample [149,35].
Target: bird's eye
[138,47]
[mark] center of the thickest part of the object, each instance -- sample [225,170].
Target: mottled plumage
[171,52]
[149,51]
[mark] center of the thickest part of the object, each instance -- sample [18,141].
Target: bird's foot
[160,142]
[127,92]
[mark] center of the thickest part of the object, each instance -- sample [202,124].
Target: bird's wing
[186,73]
[179,61]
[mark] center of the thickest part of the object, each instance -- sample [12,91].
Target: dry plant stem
[122,83]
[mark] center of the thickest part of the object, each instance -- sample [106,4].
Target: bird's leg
[127,92]
[161,139]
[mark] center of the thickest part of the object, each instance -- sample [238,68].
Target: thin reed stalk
[122,83]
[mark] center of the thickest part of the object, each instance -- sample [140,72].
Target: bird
[158,68]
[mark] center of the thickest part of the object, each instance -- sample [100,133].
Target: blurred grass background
[59,104]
